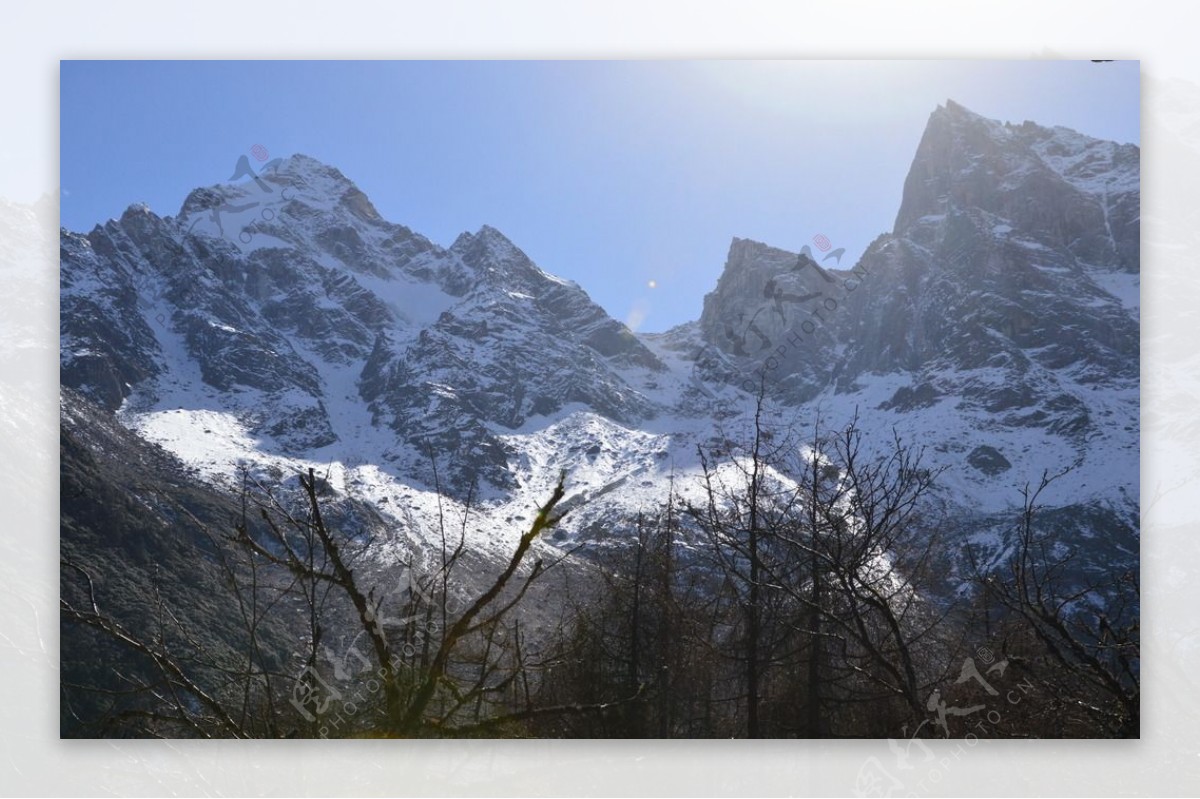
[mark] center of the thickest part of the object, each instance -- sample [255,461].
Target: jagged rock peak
[1054,184]
[497,259]
[958,115]
[486,238]
[296,178]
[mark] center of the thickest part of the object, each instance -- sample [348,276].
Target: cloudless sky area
[630,178]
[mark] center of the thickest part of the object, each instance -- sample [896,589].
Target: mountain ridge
[282,322]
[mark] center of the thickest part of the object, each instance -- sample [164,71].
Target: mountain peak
[959,110]
[489,248]
[136,210]
[301,168]
[969,163]
[489,236]
[302,162]
[265,189]
[249,178]
[962,122]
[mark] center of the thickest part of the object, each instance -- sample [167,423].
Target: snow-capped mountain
[279,321]
[998,323]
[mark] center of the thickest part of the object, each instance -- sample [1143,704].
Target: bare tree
[1073,633]
[434,664]
[741,504]
[832,554]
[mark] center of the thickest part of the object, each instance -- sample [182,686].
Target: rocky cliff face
[1069,191]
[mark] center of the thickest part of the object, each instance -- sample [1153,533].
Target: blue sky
[630,178]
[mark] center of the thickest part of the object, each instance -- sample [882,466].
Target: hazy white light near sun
[653,284]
